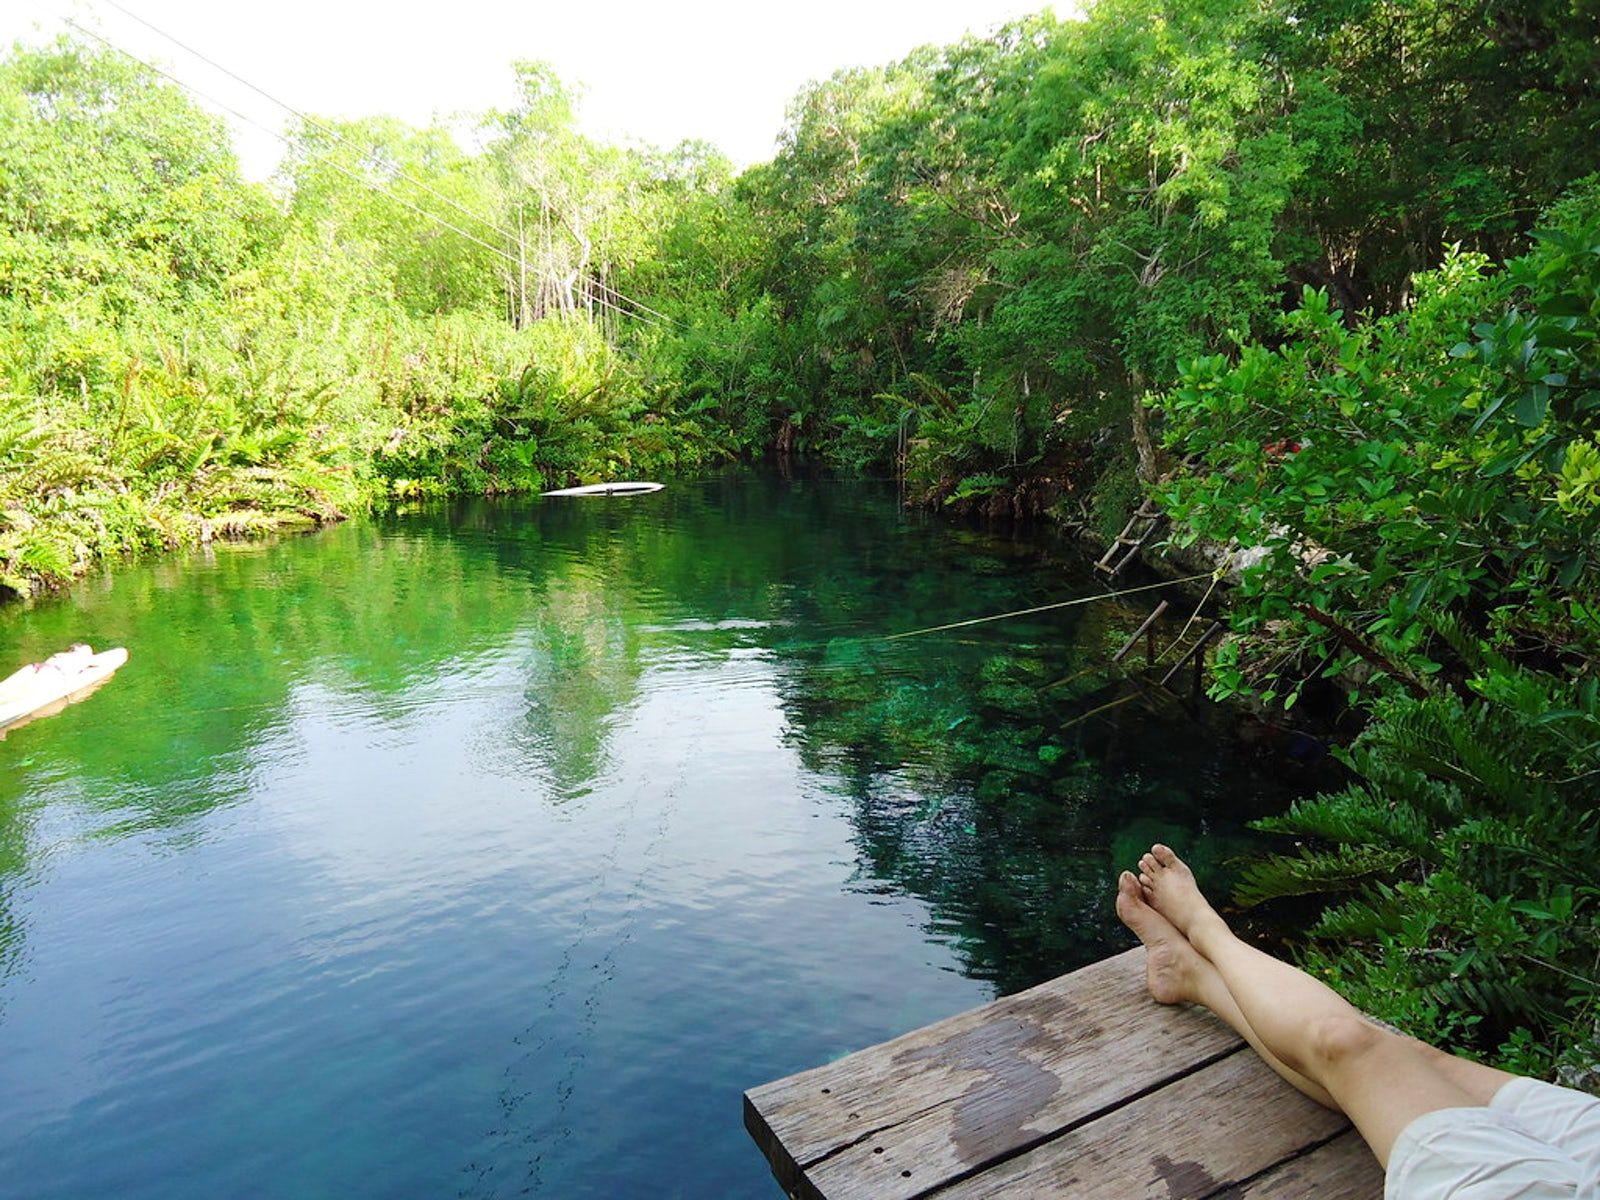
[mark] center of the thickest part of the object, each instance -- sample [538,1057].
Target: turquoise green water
[493,850]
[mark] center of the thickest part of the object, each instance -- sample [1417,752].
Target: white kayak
[43,688]
[608,489]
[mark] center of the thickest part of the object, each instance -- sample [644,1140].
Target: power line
[343,140]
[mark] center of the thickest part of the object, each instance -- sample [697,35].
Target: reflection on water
[493,850]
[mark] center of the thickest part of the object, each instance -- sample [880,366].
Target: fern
[1468,850]
[35,553]
[1355,816]
[1377,911]
[1442,740]
[1314,871]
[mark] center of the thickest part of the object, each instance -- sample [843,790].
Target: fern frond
[1439,738]
[1356,815]
[1377,911]
[1313,871]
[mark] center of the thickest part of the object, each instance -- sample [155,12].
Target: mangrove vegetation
[1322,277]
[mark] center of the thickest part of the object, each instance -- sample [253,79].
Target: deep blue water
[493,850]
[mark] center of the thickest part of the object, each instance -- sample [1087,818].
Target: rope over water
[1038,608]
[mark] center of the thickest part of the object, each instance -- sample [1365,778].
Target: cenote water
[493,850]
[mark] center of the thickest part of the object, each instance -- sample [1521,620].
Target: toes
[1146,882]
[1147,864]
[1131,907]
[1128,889]
[1164,855]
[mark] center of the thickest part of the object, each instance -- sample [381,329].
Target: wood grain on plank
[1343,1169]
[1192,1139]
[980,1085]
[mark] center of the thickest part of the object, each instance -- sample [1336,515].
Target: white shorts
[1534,1141]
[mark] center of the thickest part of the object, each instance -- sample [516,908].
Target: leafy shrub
[1471,843]
[1424,489]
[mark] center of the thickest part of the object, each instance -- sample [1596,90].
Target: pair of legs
[1310,1035]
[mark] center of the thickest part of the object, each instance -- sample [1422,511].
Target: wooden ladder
[1131,540]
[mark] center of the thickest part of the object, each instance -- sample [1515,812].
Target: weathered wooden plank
[1192,1139]
[981,1085]
[816,1112]
[1343,1169]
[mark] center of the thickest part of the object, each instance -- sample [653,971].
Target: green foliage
[1436,123]
[969,264]
[1422,490]
[966,264]
[1395,469]
[1473,851]
[980,255]
[185,355]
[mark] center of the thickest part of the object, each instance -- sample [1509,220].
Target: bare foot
[1169,886]
[1171,964]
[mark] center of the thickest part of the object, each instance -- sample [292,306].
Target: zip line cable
[1216,578]
[306,117]
[664,323]
[344,140]
[638,304]
[287,141]
[340,167]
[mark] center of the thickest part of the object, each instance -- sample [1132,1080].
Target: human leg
[1380,1079]
[1177,974]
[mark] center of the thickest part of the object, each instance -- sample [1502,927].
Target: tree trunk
[1151,460]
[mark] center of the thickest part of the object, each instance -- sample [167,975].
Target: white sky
[656,71]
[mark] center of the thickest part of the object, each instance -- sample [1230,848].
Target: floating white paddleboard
[58,681]
[608,489]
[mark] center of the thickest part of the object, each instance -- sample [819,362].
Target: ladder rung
[1147,511]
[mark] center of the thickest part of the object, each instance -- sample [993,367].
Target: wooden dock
[1080,1087]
